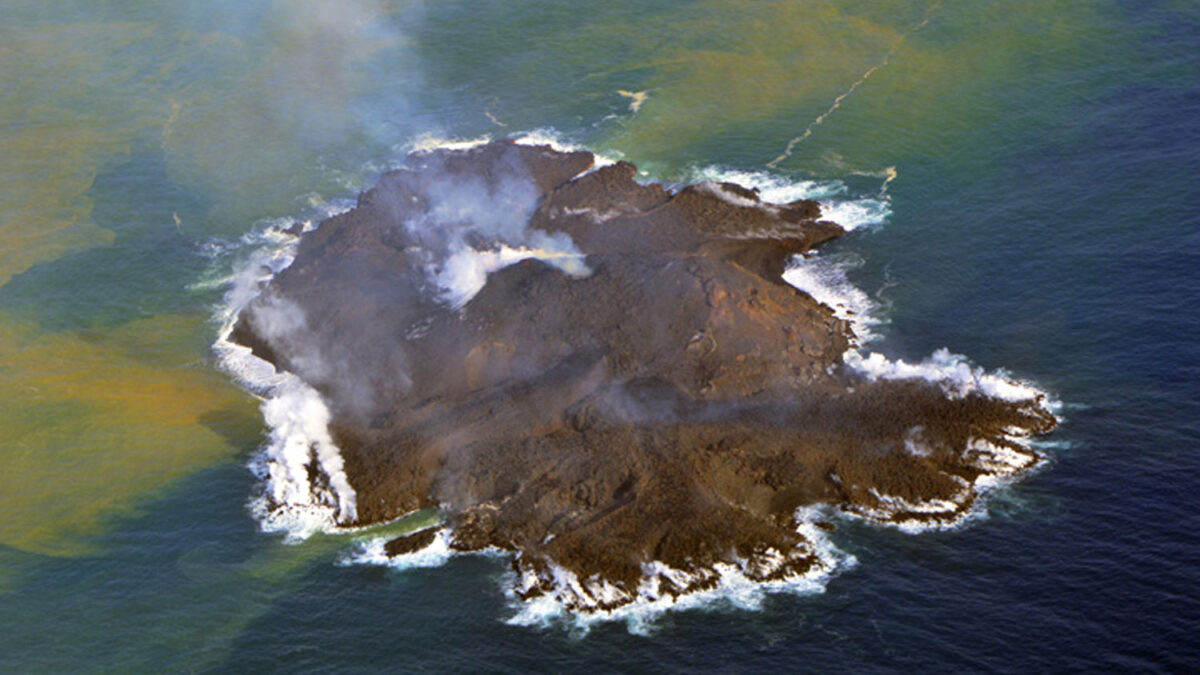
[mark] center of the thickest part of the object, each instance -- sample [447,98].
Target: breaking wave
[728,586]
[550,137]
[837,205]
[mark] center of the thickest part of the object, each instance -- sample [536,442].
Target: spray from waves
[825,278]
[371,552]
[729,585]
[999,464]
[953,372]
[837,205]
[580,603]
[428,142]
[821,276]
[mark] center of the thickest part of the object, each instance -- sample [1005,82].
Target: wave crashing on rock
[611,380]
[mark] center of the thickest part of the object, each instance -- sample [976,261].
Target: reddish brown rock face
[649,395]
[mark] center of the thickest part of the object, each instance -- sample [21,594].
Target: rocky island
[608,378]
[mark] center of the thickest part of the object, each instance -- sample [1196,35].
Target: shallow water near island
[1043,219]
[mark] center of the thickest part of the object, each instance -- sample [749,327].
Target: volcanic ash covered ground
[609,379]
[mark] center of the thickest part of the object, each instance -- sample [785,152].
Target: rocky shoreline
[607,378]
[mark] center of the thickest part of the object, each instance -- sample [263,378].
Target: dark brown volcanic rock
[677,404]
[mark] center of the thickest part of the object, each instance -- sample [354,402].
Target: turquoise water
[1044,219]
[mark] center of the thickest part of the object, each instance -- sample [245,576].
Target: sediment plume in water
[611,380]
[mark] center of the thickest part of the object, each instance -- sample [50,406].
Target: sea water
[1024,173]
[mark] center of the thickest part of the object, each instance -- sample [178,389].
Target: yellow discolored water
[94,424]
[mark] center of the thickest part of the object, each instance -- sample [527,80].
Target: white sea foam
[1000,460]
[544,136]
[1001,466]
[640,608]
[579,602]
[953,372]
[891,505]
[836,205]
[556,141]
[273,251]
[295,412]
[853,214]
[773,188]
[371,552]
[731,587]
[824,279]
[731,197]
[431,142]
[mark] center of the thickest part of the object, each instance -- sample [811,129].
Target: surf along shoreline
[634,390]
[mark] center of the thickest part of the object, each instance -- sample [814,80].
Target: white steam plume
[474,227]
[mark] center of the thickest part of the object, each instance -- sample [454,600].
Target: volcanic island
[608,378]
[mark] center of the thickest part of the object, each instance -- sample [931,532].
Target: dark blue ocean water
[1055,237]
